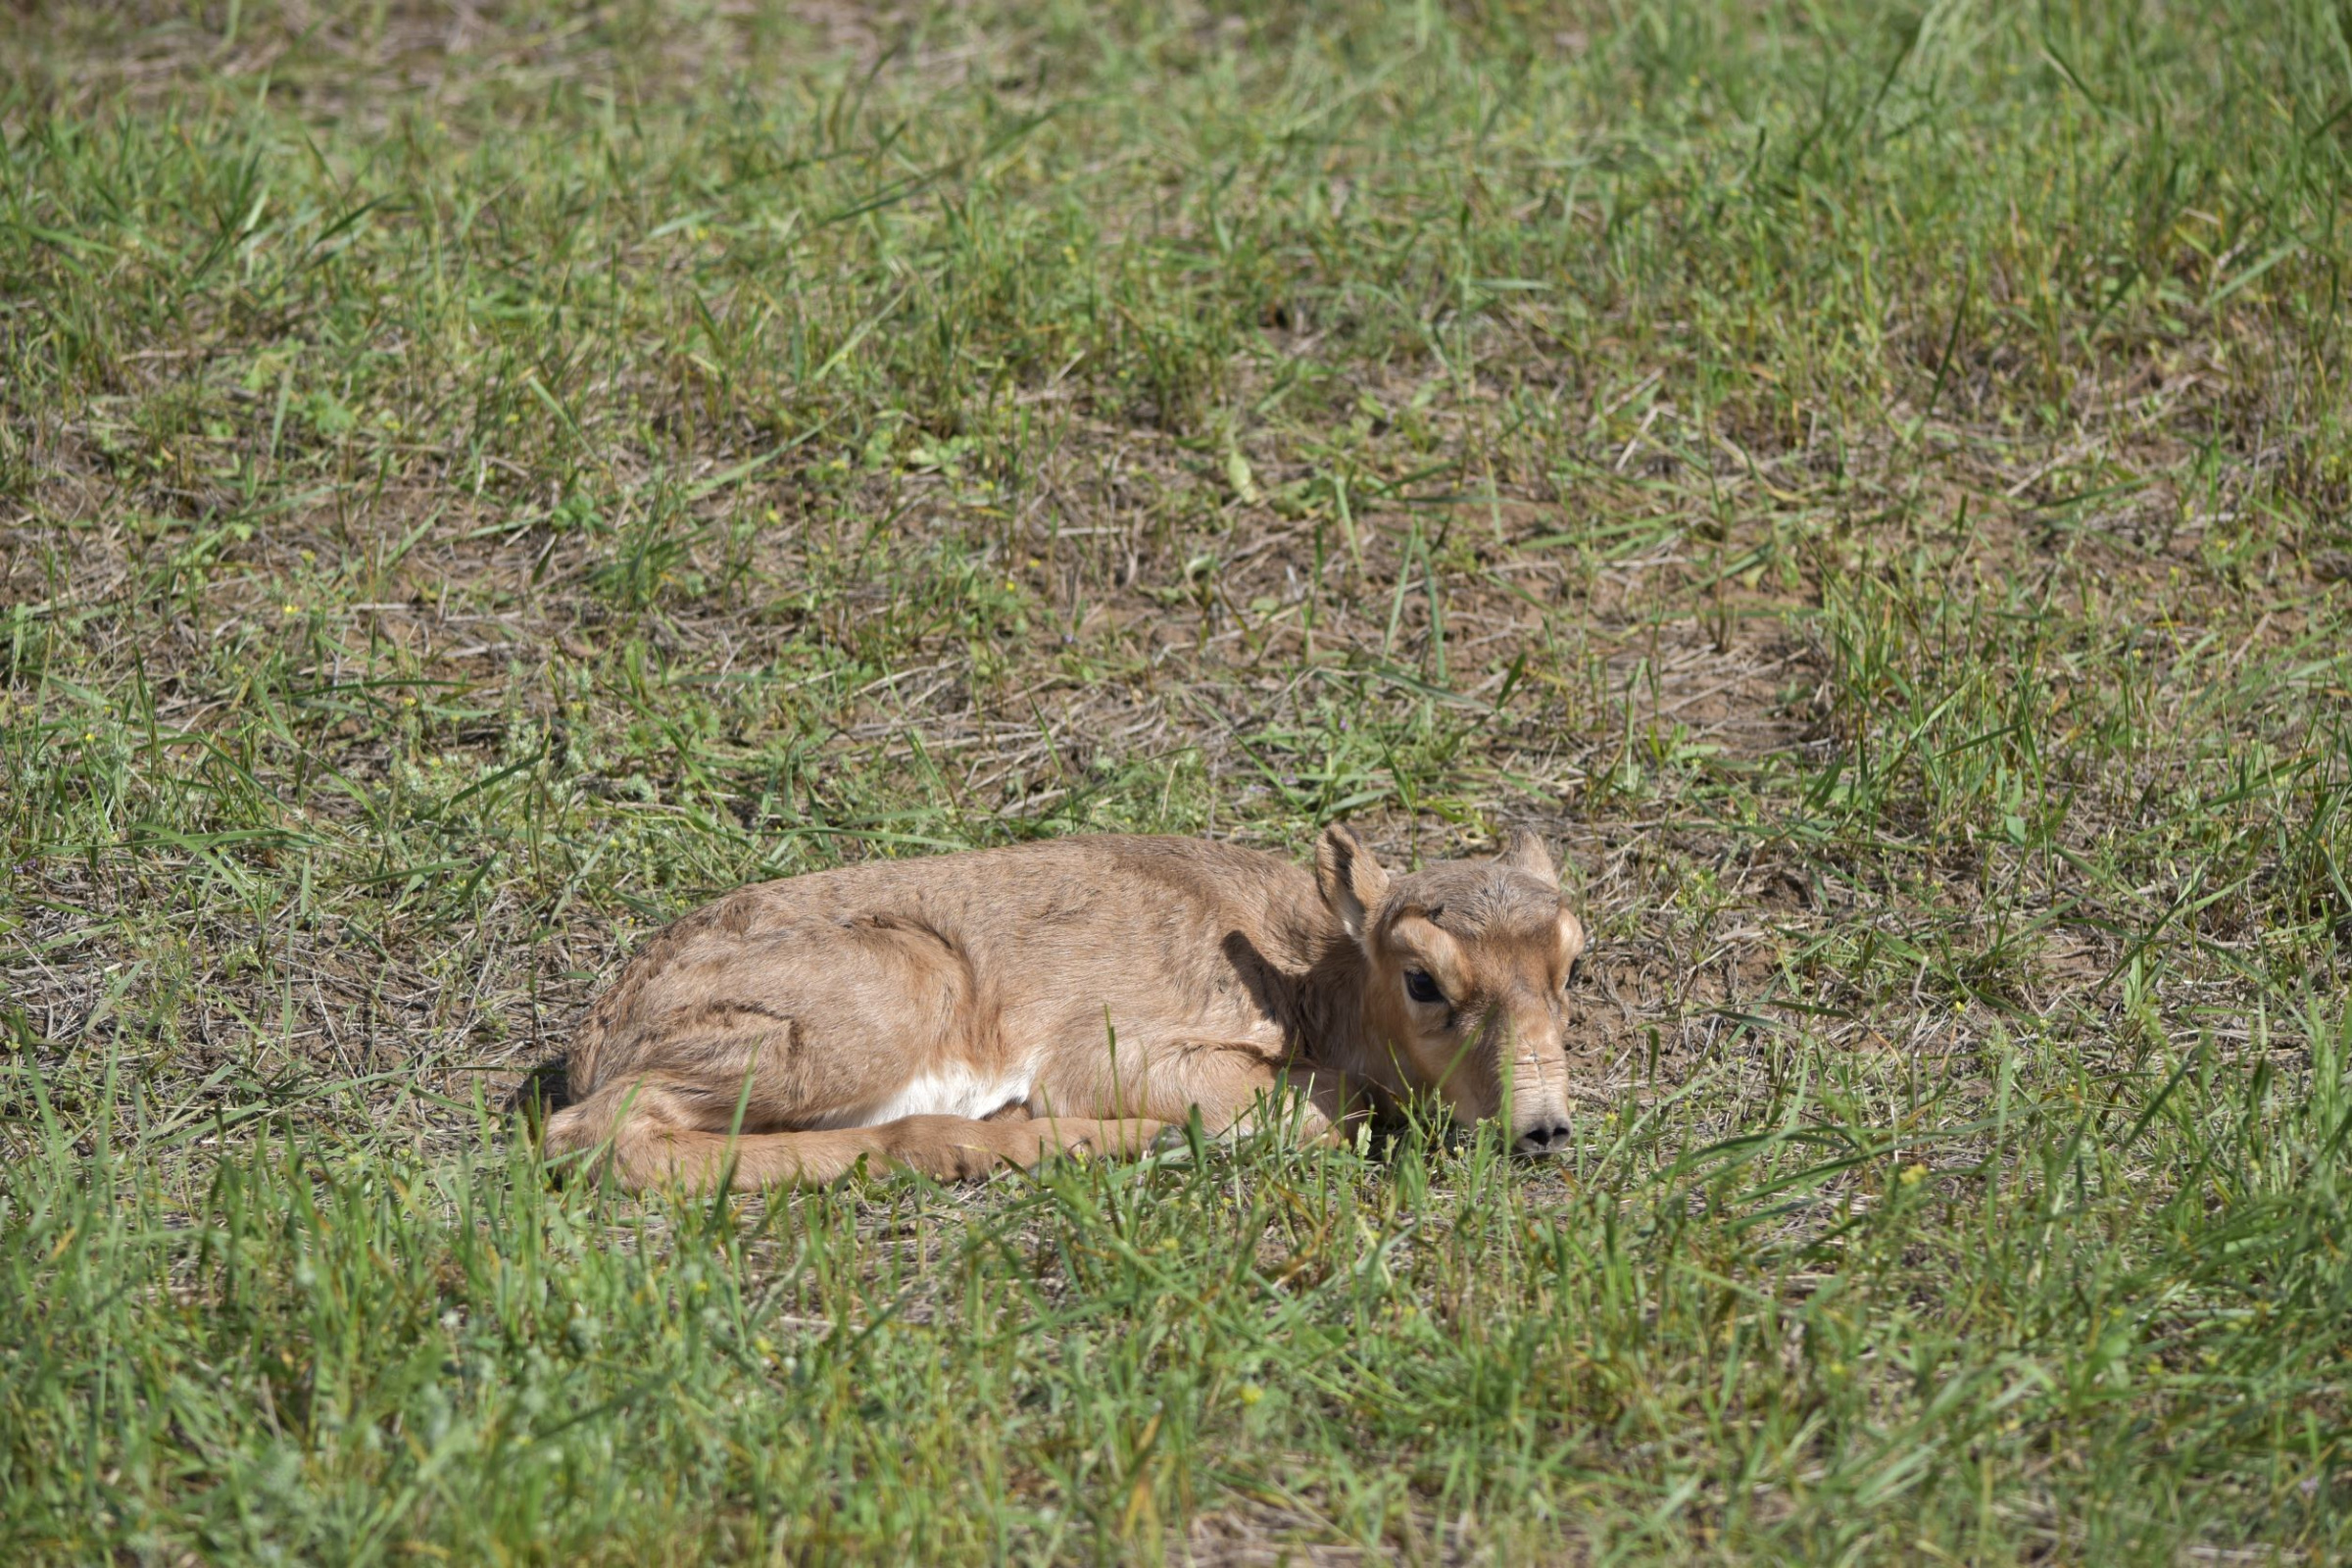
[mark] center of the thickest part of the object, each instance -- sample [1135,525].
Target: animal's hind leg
[647,1135]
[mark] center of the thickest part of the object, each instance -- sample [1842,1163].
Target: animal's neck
[1324,1024]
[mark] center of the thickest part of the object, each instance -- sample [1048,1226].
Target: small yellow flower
[1250,1393]
[1913,1175]
[291,609]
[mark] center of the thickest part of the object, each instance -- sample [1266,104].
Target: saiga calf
[966,1011]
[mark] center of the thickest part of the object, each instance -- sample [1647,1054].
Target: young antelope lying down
[967,1011]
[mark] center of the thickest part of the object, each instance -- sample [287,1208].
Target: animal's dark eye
[1421,988]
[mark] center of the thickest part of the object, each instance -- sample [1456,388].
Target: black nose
[1544,1138]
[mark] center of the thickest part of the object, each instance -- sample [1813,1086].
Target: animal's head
[1466,965]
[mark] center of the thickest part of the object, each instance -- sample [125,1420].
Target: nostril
[1544,1138]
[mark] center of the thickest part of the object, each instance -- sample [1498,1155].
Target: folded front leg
[1238,1087]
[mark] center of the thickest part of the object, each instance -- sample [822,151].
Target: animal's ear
[1526,853]
[1572,935]
[1352,879]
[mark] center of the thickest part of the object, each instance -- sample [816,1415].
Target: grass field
[1868,482]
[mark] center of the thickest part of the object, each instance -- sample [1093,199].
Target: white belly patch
[955,1090]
